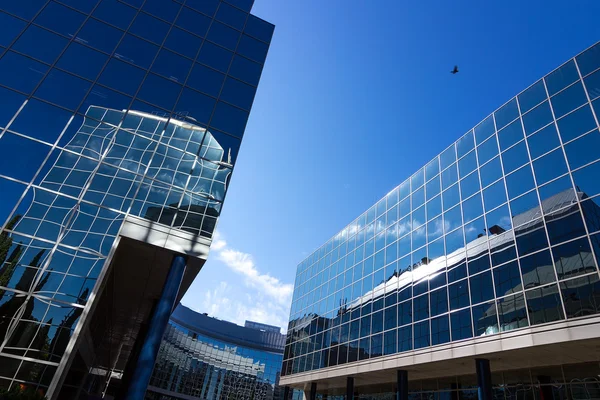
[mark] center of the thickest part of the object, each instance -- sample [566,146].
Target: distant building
[205,358]
[477,276]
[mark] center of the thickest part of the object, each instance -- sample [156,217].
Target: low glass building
[485,260]
[120,126]
[205,358]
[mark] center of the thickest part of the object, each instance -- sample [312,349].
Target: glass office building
[205,358]
[120,124]
[490,251]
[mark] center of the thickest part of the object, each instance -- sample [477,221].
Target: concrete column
[156,328]
[484,379]
[350,388]
[402,385]
[313,391]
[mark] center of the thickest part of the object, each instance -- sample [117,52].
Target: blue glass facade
[499,232]
[111,110]
[206,358]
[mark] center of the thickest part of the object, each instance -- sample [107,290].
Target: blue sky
[355,96]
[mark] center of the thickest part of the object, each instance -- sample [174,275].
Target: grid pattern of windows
[109,108]
[572,381]
[498,232]
[197,365]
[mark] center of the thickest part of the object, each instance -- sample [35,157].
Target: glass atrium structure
[498,233]
[120,125]
[206,358]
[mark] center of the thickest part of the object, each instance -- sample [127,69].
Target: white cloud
[268,302]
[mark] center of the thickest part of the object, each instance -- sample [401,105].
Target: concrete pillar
[156,328]
[402,385]
[484,379]
[350,388]
[313,391]
[286,393]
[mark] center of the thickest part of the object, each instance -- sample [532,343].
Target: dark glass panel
[531,237]
[577,123]
[469,185]
[159,91]
[459,295]
[183,42]
[564,225]
[515,157]
[252,48]
[449,176]
[506,114]
[482,288]
[507,279]
[99,35]
[150,28]
[405,341]
[136,51]
[390,342]
[573,259]
[376,345]
[544,305]
[440,330]
[115,13]
[166,10]
[485,319]
[238,93]
[485,129]
[231,16]
[193,22]
[550,166]
[532,96]
[41,121]
[422,338]
[439,301]
[537,118]
[13,163]
[465,144]
[63,89]
[537,269]
[457,273]
[82,61]
[561,77]
[512,313]
[461,324]
[29,43]
[11,102]
[543,141]
[60,19]
[592,84]
[215,56]
[405,313]
[223,35]
[510,135]
[568,100]
[172,66]
[20,72]
[581,296]
[589,60]
[122,76]
[24,9]
[583,150]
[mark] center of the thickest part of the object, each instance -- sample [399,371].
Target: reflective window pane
[122,76]
[472,208]
[510,135]
[586,179]
[576,124]
[13,163]
[573,258]
[568,100]
[469,185]
[537,269]
[494,195]
[519,182]
[484,130]
[507,279]
[543,141]
[580,296]
[467,164]
[512,313]
[447,157]
[533,96]
[29,43]
[449,176]
[583,150]
[99,35]
[515,157]
[252,48]
[215,56]
[451,197]
[589,60]
[20,73]
[544,305]
[549,167]
[490,172]
[561,78]
[481,287]
[115,13]
[461,325]
[63,89]
[60,19]
[506,114]
[465,144]
[136,51]
[485,319]
[487,150]
[537,118]
[150,28]
[81,60]
[592,84]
